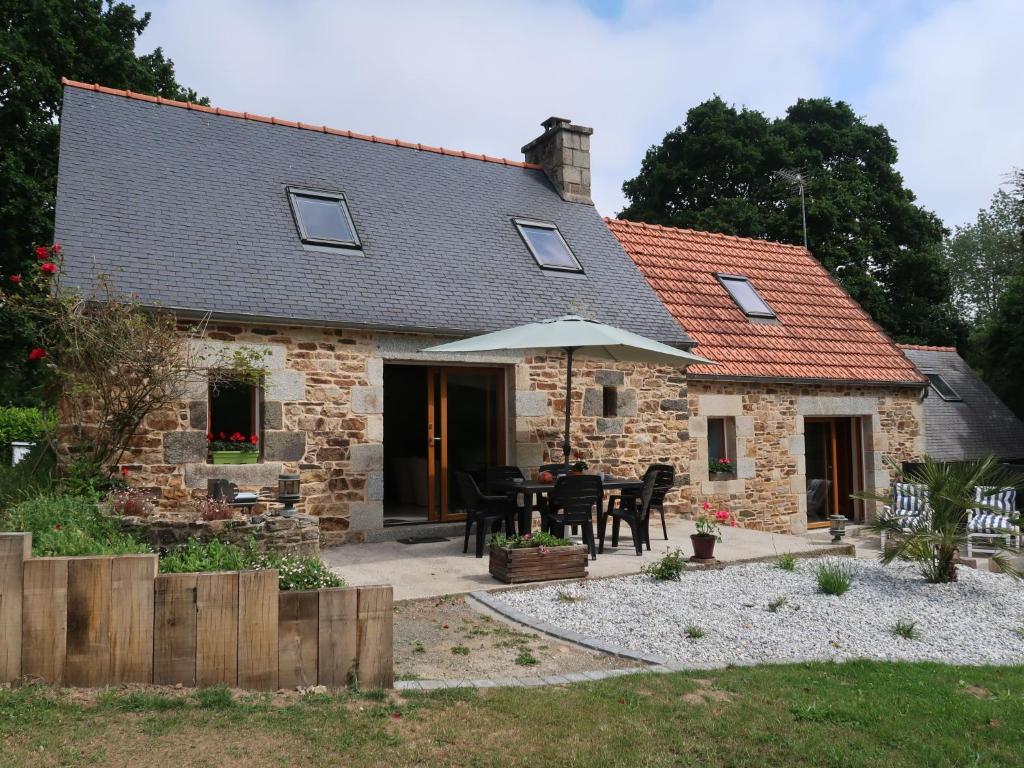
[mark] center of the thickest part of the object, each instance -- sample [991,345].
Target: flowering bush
[130,502]
[236,441]
[710,524]
[538,539]
[213,509]
[720,466]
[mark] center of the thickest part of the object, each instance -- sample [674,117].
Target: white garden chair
[909,507]
[996,521]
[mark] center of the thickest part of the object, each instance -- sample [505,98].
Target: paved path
[440,568]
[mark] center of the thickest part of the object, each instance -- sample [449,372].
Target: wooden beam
[15,549]
[45,619]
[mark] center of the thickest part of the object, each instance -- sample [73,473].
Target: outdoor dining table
[534,488]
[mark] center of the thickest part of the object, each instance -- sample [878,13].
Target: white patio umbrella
[576,334]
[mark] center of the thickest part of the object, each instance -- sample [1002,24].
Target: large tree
[41,41]
[985,254]
[719,171]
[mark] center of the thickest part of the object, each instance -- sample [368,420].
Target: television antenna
[796,180]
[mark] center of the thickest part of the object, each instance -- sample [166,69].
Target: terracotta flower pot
[703,546]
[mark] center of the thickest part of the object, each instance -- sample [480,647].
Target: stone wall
[299,535]
[769,488]
[322,416]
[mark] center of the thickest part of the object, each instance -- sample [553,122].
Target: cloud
[481,76]
[950,93]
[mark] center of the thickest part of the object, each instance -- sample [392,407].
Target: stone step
[416,531]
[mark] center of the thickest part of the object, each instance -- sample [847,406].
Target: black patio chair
[483,510]
[572,502]
[496,475]
[635,511]
[666,475]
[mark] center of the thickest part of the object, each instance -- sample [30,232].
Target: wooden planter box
[514,566]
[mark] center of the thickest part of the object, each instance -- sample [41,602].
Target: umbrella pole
[566,443]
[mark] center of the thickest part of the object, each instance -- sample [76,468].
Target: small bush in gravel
[774,605]
[834,577]
[668,568]
[906,629]
[526,659]
[567,597]
[460,650]
[417,647]
[787,561]
[694,632]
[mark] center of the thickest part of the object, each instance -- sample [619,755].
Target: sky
[944,76]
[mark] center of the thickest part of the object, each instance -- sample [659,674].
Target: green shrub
[293,572]
[694,632]
[526,659]
[906,629]
[834,577]
[30,478]
[538,539]
[668,568]
[68,526]
[24,424]
[786,561]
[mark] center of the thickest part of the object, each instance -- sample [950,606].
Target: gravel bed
[978,620]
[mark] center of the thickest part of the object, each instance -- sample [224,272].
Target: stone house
[808,395]
[341,256]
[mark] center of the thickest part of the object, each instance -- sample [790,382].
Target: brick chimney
[564,151]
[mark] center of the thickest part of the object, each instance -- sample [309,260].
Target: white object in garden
[20,450]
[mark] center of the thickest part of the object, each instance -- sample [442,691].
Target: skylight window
[745,296]
[323,218]
[548,246]
[941,386]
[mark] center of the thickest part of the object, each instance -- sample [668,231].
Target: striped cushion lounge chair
[991,524]
[909,507]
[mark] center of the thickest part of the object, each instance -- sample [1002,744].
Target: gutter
[777,380]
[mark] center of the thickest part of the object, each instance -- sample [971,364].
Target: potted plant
[579,466]
[536,557]
[709,531]
[233,449]
[721,469]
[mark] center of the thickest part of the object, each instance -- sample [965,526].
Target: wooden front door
[465,431]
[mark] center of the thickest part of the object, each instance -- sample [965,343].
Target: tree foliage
[718,172]
[41,41]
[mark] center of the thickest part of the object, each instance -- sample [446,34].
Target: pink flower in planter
[707,505]
[721,515]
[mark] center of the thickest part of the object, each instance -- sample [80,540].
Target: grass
[906,629]
[834,577]
[64,525]
[854,715]
[567,597]
[526,659]
[694,632]
[786,561]
[778,602]
[460,650]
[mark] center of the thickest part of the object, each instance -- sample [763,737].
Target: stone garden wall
[299,535]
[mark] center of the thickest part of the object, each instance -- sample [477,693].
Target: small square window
[745,296]
[322,218]
[548,246]
[941,386]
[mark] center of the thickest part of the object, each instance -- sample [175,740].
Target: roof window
[547,245]
[941,386]
[322,218]
[745,296]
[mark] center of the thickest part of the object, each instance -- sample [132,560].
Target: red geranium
[37,353]
[209,437]
[15,279]
[254,439]
[48,268]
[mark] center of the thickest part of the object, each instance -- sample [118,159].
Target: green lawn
[858,714]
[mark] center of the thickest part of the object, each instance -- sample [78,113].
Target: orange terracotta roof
[926,348]
[292,124]
[821,333]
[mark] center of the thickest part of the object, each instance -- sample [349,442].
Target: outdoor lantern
[288,493]
[837,527]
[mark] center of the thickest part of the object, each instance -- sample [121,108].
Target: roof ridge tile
[220,112]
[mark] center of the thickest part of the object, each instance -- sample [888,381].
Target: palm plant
[934,544]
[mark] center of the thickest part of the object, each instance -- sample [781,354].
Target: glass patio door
[465,431]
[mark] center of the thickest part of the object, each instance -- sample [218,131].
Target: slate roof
[186,206]
[821,334]
[976,426]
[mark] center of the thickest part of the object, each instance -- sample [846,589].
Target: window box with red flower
[235,448]
[721,469]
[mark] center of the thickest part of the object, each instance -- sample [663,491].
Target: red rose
[48,268]
[55,248]
[42,252]
[38,353]
[254,439]
[15,279]
[124,471]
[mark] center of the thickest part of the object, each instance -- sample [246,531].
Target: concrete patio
[439,568]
